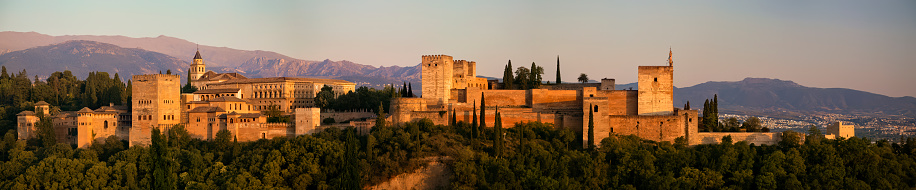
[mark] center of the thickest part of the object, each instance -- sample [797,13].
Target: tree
[521,78]
[507,77]
[790,139]
[453,121]
[534,78]
[324,97]
[591,128]
[163,178]
[188,88]
[410,90]
[380,121]
[732,124]
[498,135]
[752,124]
[474,121]
[45,130]
[168,72]
[351,167]
[583,78]
[559,81]
[483,113]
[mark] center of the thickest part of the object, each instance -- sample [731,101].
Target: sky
[862,45]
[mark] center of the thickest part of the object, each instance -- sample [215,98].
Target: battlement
[431,58]
[155,77]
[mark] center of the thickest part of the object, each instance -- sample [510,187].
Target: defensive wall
[759,138]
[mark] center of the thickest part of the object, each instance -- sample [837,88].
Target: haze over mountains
[43,54]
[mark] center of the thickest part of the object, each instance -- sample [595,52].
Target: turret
[197,68]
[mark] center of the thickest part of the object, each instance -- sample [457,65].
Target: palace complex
[233,102]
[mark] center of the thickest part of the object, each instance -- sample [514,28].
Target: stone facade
[656,90]
[155,104]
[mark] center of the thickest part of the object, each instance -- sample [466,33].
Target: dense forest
[526,156]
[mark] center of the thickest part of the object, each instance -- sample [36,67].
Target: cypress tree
[558,70]
[498,144]
[591,128]
[483,112]
[380,121]
[474,121]
[508,79]
[454,120]
[409,90]
[5,75]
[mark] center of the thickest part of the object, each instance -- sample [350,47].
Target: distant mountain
[175,47]
[219,59]
[82,57]
[763,96]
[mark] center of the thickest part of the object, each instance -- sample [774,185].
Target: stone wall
[570,86]
[347,116]
[753,138]
[542,99]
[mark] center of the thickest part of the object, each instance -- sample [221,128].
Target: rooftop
[216,91]
[285,79]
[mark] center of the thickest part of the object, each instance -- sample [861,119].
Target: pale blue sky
[863,45]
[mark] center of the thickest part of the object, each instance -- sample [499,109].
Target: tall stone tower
[437,77]
[197,68]
[156,103]
[656,89]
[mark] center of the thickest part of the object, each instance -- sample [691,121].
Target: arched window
[106,124]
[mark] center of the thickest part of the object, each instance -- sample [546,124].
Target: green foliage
[364,98]
[583,78]
[559,80]
[591,129]
[188,88]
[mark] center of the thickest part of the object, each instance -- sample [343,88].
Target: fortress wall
[656,128]
[770,138]
[460,95]
[254,131]
[503,98]
[555,99]
[570,86]
[346,116]
[620,102]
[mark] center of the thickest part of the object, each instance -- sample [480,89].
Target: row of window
[150,117]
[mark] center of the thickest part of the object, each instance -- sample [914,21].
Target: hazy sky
[863,45]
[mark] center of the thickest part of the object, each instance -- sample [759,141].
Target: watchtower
[656,89]
[156,103]
[437,77]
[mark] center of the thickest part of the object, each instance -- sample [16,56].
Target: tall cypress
[558,70]
[474,121]
[498,139]
[591,128]
[404,90]
[483,112]
[454,120]
[508,79]
[409,90]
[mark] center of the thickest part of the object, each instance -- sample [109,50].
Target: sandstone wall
[347,116]
[155,102]
[542,99]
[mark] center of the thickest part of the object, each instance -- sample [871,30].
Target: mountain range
[42,55]
[220,59]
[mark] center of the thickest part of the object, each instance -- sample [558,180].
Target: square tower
[841,129]
[656,90]
[156,103]
[437,77]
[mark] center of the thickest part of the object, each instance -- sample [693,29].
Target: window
[263,135]
[656,79]
[106,124]
[596,108]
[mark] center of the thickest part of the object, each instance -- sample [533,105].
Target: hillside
[82,57]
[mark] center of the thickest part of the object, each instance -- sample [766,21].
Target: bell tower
[197,68]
